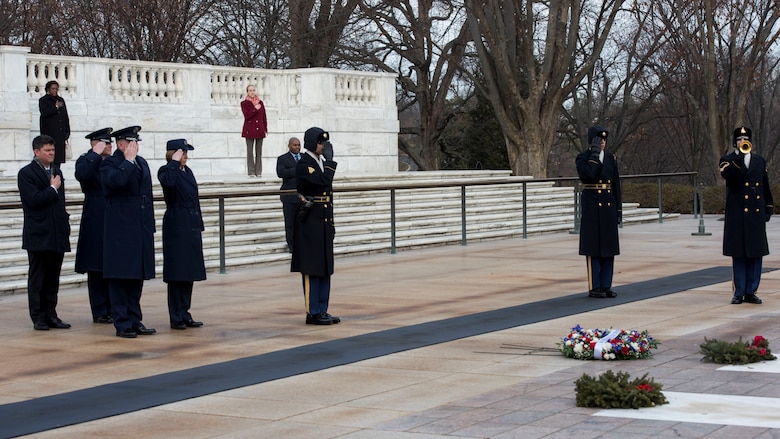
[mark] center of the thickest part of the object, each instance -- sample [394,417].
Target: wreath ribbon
[597,350]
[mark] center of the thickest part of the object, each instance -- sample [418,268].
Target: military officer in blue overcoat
[749,205]
[89,250]
[602,212]
[314,230]
[128,244]
[182,233]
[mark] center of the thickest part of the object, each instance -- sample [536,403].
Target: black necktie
[297,157]
[48,172]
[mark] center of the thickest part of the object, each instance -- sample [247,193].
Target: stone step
[254,226]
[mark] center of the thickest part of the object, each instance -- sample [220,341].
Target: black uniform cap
[101,134]
[313,136]
[129,133]
[175,144]
[743,132]
[596,131]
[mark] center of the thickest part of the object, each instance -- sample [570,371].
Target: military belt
[597,186]
[320,199]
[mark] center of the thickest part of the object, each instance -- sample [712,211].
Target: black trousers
[43,283]
[179,300]
[98,294]
[289,210]
[125,297]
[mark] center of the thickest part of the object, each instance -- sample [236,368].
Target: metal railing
[391,188]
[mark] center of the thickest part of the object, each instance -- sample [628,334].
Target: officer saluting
[314,231]
[749,205]
[89,250]
[601,212]
[128,246]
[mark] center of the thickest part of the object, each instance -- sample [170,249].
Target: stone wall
[199,103]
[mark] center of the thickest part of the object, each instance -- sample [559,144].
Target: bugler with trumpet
[744,146]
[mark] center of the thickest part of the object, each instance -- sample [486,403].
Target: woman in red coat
[255,130]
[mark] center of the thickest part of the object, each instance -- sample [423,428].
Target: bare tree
[527,50]
[249,33]
[424,41]
[315,29]
[716,48]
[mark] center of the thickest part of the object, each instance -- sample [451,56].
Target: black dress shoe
[752,298]
[57,323]
[127,333]
[333,319]
[736,300]
[41,326]
[598,293]
[178,325]
[193,324]
[318,319]
[142,330]
[103,319]
[609,293]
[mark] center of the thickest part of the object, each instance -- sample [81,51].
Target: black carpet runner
[49,412]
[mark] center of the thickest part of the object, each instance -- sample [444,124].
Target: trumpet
[744,146]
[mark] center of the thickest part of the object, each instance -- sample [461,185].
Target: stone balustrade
[199,103]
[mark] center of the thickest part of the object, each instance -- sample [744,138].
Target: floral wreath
[607,344]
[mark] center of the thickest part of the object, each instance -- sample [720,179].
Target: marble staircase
[426,215]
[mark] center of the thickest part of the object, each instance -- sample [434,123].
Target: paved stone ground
[473,387]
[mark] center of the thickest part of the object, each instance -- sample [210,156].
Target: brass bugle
[744,146]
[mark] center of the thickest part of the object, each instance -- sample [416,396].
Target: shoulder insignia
[311,170]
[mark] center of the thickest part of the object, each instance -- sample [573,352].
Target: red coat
[255,122]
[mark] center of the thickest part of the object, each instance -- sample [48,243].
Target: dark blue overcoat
[601,207]
[748,201]
[128,237]
[314,230]
[182,225]
[89,249]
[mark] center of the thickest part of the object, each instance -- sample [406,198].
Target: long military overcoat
[748,202]
[314,229]
[182,225]
[601,205]
[89,249]
[128,237]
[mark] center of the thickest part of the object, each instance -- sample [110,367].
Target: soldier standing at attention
[749,205]
[602,212]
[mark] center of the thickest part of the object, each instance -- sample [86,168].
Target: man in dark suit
[749,205]
[285,169]
[182,233]
[602,212]
[128,237]
[89,250]
[314,231]
[45,234]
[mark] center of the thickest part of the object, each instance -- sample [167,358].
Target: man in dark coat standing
[602,211]
[89,250]
[182,233]
[314,231]
[128,237]
[54,119]
[45,234]
[749,205]
[285,169]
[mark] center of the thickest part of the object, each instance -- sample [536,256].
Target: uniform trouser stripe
[590,272]
[306,291]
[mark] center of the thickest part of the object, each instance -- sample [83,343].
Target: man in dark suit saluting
[46,232]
